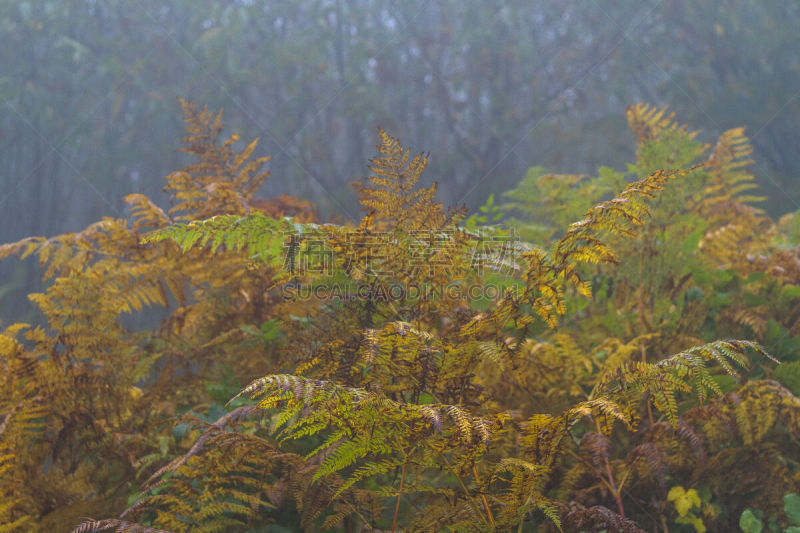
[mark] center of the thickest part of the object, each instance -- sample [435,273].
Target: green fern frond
[262,236]
[686,371]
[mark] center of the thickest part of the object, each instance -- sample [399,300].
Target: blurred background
[89,110]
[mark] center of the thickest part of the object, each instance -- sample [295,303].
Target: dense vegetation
[584,355]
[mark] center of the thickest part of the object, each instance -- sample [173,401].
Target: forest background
[89,110]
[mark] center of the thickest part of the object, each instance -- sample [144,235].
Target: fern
[547,273]
[84,386]
[222,181]
[418,409]
[683,372]
[258,234]
[93,526]
[649,122]
[391,194]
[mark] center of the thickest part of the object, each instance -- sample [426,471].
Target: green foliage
[788,374]
[791,506]
[751,521]
[543,204]
[489,213]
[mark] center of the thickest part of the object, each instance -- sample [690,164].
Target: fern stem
[399,494]
[463,487]
[615,492]
[646,398]
[483,496]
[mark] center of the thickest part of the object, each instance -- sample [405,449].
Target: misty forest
[378,266]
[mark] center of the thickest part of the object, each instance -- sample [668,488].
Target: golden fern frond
[617,352]
[510,464]
[390,194]
[728,164]
[755,318]
[648,122]
[727,193]
[222,181]
[618,216]
[543,290]
[146,214]
[605,410]
[12,513]
[63,254]
[557,372]
[754,414]
[728,246]
[495,352]
[546,274]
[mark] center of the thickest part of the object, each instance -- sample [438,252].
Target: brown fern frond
[576,517]
[653,463]
[597,446]
[120,526]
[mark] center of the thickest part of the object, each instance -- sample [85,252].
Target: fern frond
[685,371]
[121,526]
[547,273]
[576,517]
[390,194]
[261,236]
[146,214]
[508,464]
[356,401]
[648,122]
[727,163]
[222,181]
[619,216]
[211,431]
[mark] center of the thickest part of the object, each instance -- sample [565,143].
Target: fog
[90,113]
